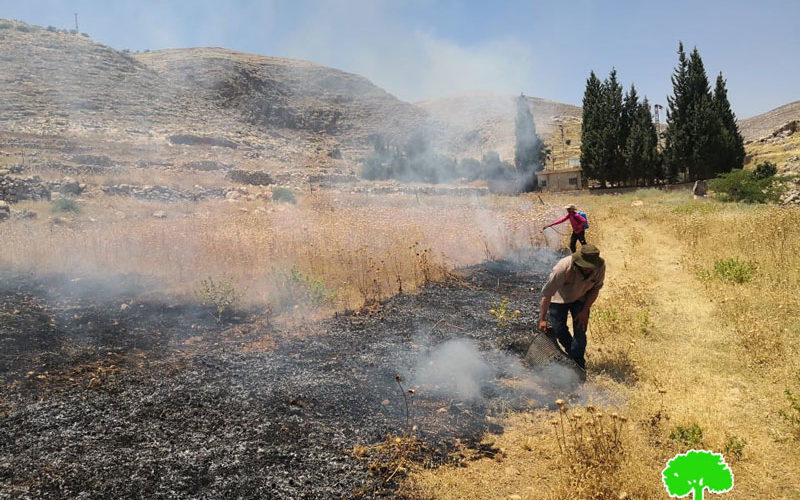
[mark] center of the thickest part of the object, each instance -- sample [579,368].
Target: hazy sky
[419,49]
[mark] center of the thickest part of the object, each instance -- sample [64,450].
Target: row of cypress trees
[702,138]
[618,138]
[619,142]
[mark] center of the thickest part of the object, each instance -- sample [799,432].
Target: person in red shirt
[578,227]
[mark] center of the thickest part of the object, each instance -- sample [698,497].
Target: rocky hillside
[768,123]
[63,83]
[171,108]
[273,93]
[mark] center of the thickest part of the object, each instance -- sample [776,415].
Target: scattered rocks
[252,177]
[95,160]
[196,140]
[160,214]
[700,188]
[207,165]
[14,189]
[637,203]
[70,186]
[5,210]
[23,214]
[164,193]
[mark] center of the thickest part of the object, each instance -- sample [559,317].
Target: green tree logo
[695,471]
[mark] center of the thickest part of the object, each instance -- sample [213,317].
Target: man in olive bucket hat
[573,287]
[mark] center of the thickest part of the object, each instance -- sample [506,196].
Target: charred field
[111,391]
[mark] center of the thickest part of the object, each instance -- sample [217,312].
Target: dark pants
[575,345]
[575,238]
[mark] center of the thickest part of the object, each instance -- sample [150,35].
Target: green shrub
[222,295]
[689,435]
[294,287]
[734,270]
[765,170]
[335,154]
[283,194]
[734,447]
[66,205]
[792,414]
[743,185]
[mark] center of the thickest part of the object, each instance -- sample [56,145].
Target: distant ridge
[762,125]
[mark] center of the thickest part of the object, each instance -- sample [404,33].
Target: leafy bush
[734,270]
[765,170]
[283,194]
[294,287]
[690,436]
[66,205]
[335,154]
[743,185]
[223,295]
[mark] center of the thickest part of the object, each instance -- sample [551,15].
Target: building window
[573,181]
[544,183]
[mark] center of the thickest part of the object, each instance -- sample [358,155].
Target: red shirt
[575,219]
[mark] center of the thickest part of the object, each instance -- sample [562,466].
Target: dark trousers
[574,345]
[575,238]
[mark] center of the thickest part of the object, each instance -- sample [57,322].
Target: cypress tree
[611,160]
[704,125]
[677,147]
[731,155]
[630,106]
[591,126]
[528,150]
[654,164]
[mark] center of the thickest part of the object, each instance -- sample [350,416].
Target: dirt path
[692,355]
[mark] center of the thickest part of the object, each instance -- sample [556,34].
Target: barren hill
[273,113]
[60,83]
[765,124]
[285,94]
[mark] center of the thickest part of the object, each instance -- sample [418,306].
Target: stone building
[566,179]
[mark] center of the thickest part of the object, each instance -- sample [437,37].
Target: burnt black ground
[101,401]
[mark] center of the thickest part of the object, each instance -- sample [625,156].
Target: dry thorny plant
[591,447]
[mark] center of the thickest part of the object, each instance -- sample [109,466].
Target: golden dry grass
[363,248]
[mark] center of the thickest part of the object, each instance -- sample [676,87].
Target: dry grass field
[693,342]
[358,248]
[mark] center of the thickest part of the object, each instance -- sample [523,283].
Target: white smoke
[411,63]
[459,369]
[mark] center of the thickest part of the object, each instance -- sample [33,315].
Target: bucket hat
[588,257]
